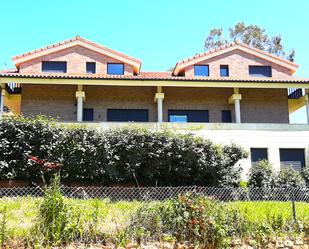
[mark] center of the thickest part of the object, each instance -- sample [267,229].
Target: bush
[305,175]
[289,177]
[262,175]
[24,138]
[31,148]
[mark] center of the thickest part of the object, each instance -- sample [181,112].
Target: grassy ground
[113,216]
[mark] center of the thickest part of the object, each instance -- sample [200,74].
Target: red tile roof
[76,38]
[222,49]
[152,76]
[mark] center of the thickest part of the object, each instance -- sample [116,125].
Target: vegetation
[191,218]
[262,175]
[252,35]
[36,147]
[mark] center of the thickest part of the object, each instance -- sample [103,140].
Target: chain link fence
[162,193]
[258,204]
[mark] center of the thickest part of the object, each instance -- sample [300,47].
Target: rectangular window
[127,115]
[201,70]
[224,70]
[90,67]
[115,68]
[226,116]
[88,114]
[260,71]
[294,158]
[178,118]
[54,66]
[199,116]
[258,154]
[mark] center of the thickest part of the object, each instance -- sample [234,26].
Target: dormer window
[224,70]
[260,71]
[201,70]
[90,67]
[54,66]
[115,68]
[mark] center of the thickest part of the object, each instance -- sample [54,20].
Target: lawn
[114,216]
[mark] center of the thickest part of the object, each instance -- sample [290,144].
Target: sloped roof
[181,65]
[159,76]
[78,41]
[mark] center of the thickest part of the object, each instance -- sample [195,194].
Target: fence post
[293,204]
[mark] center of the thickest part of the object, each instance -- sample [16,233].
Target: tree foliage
[251,34]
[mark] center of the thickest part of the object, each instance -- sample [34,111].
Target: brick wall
[76,58]
[238,62]
[257,105]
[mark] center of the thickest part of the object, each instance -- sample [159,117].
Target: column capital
[158,96]
[80,94]
[235,96]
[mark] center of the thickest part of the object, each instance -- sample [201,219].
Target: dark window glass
[201,70]
[258,154]
[294,158]
[127,115]
[54,66]
[88,114]
[226,116]
[224,70]
[115,68]
[260,71]
[90,67]
[199,116]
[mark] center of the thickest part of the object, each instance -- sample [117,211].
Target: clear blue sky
[158,32]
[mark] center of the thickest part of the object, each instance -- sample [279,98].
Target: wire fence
[162,193]
[291,203]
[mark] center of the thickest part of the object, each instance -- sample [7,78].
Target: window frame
[189,113]
[258,148]
[226,67]
[230,115]
[252,67]
[110,64]
[200,66]
[293,149]
[84,109]
[44,64]
[92,63]
[108,118]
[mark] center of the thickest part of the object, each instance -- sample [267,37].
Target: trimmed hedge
[34,147]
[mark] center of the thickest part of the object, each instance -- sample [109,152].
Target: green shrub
[262,175]
[305,175]
[32,148]
[23,138]
[288,177]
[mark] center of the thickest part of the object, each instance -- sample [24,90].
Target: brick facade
[257,105]
[238,62]
[76,58]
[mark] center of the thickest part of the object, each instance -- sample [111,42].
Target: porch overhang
[155,82]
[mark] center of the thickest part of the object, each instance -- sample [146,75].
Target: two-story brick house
[78,80]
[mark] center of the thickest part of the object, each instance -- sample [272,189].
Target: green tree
[252,35]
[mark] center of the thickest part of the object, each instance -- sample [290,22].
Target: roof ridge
[76,38]
[234,44]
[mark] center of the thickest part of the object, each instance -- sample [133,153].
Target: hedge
[32,148]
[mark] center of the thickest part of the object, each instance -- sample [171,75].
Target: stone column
[237,111]
[235,99]
[2,94]
[80,97]
[159,97]
[307,107]
[160,109]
